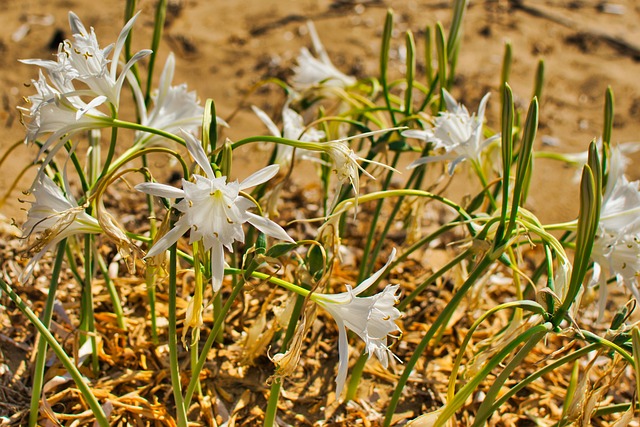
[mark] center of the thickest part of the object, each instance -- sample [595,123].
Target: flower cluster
[215,226]
[80,93]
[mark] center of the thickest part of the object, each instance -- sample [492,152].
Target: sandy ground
[224,47]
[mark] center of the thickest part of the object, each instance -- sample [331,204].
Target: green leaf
[280,249]
[315,262]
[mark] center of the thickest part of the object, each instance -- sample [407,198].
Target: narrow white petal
[268,227]
[197,152]
[452,104]
[371,280]
[266,120]
[160,190]
[122,37]
[76,25]
[168,239]
[343,361]
[95,102]
[165,79]
[429,159]
[217,266]
[263,175]
[417,134]
[135,58]
[481,108]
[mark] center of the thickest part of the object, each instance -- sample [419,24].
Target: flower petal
[168,239]
[217,266]
[371,280]
[263,175]
[198,154]
[98,100]
[160,190]
[417,134]
[266,120]
[268,227]
[343,361]
[452,104]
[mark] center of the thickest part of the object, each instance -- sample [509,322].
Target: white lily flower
[174,107]
[616,248]
[53,216]
[83,60]
[311,71]
[455,131]
[292,128]
[620,257]
[213,210]
[372,318]
[62,115]
[621,202]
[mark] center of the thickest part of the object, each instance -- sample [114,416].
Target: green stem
[480,269]
[87,323]
[136,126]
[485,185]
[532,335]
[112,150]
[435,276]
[484,411]
[173,340]
[367,267]
[129,11]
[161,13]
[215,330]
[150,279]
[543,371]
[529,305]
[356,375]
[41,355]
[75,374]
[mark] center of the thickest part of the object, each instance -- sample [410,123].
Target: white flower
[621,202]
[292,128]
[372,318]
[311,71]
[620,256]
[213,210]
[53,216]
[82,60]
[455,131]
[62,115]
[616,248]
[174,107]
